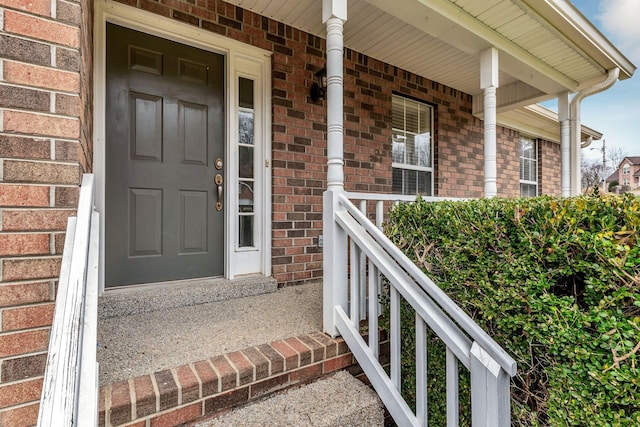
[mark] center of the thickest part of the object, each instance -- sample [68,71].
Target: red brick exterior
[45,52]
[549,173]
[45,142]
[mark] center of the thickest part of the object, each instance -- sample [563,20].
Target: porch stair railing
[70,390]
[357,255]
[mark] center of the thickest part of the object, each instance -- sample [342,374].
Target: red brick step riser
[178,395]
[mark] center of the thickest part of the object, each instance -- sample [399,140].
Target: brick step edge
[178,395]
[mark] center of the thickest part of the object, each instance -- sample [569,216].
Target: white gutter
[576,145]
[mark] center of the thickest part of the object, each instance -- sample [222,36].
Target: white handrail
[437,294]
[70,388]
[371,255]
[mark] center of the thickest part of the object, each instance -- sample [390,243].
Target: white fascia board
[563,15]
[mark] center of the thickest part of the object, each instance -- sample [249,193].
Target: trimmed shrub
[556,282]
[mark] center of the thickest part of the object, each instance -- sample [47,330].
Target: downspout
[576,145]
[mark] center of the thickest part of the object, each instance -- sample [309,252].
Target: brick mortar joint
[156,392]
[270,371]
[254,369]
[176,380]
[195,374]
[218,377]
[234,367]
[49,161]
[133,399]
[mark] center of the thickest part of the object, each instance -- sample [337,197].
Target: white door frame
[241,60]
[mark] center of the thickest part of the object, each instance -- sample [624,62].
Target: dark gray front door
[164,135]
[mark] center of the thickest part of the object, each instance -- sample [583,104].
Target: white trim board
[240,60]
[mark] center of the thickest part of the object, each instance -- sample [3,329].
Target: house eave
[540,122]
[547,45]
[579,29]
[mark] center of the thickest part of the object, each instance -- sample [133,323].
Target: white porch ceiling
[546,46]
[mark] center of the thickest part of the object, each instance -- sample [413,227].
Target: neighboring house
[628,173]
[613,178]
[439,99]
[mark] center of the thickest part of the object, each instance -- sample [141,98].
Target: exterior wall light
[319,88]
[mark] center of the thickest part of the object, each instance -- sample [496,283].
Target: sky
[616,111]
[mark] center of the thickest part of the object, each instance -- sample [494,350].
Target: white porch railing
[357,255]
[70,389]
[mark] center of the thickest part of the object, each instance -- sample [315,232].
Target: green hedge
[556,282]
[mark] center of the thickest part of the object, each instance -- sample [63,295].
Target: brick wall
[45,142]
[549,173]
[299,129]
[40,43]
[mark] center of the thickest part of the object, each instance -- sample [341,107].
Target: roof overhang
[546,47]
[540,122]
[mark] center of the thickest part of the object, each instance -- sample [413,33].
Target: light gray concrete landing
[339,400]
[141,343]
[126,300]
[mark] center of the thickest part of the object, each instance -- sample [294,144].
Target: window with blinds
[412,147]
[528,167]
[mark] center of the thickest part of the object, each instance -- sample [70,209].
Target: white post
[489,83]
[565,143]
[334,13]
[490,397]
[576,175]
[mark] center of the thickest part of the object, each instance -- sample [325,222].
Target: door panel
[165,128]
[193,132]
[145,222]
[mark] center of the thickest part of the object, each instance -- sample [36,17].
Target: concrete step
[138,299]
[144,342]
[337,400]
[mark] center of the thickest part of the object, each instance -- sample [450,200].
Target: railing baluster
[354,272]
[453,414]
[395,337]
[373,310]
[421,371]
[379,219]
[372,256]
[363,273]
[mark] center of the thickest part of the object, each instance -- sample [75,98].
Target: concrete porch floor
[130,345]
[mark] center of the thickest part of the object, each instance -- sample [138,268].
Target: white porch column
[489,84]
[334,289]
[334,13]
[565,143]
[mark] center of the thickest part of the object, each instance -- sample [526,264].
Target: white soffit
[544,44]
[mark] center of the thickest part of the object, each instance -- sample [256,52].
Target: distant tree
[615,155]
[592,173]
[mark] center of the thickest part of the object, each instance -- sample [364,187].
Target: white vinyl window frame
[400,134]
[241,60]
[528,167]
[626,170]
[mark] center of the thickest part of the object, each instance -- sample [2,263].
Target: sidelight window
[246,157]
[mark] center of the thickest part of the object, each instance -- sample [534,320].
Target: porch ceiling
[546,46]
